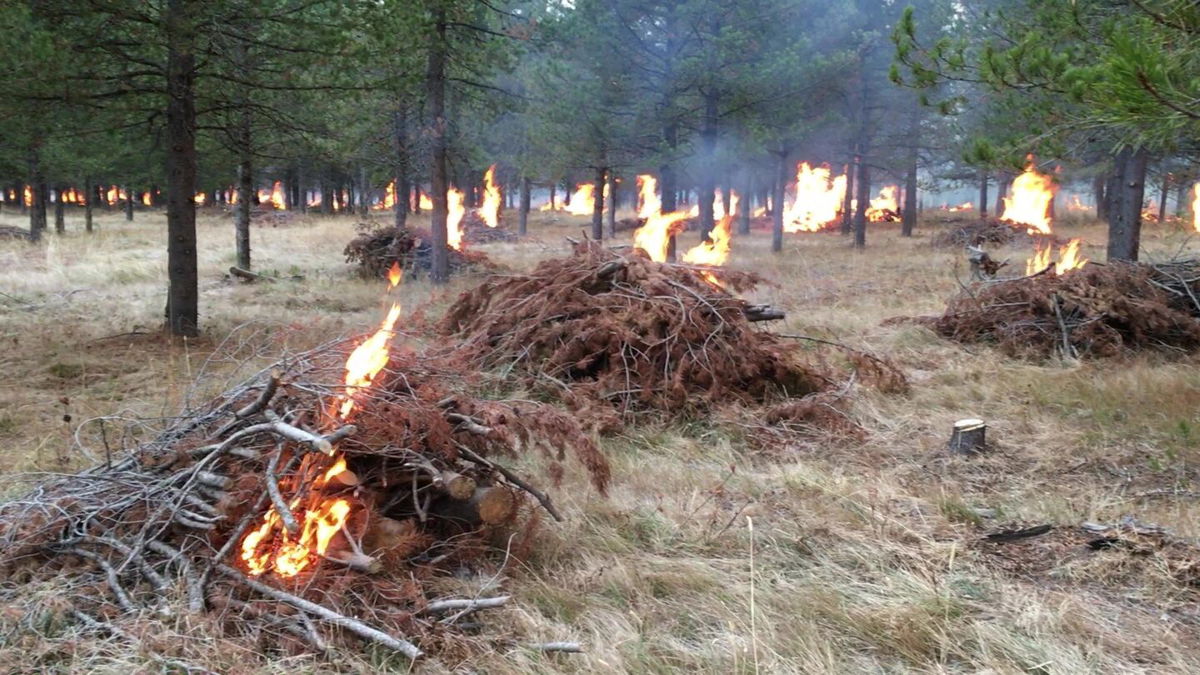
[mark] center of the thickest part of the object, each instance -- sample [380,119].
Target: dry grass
[866,555]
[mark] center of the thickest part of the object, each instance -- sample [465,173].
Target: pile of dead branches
[223,513]
[981,233]
[1097,311]
[477,231]
[615,335]
[375,250]
[10,232]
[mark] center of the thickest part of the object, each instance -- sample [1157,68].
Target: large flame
[714,251]
[490,211]
[454,216]
[389,197]
[582,200]
[816,200]
[1069,258]
[275,198]
[1029,204]
[654,237]
[649,202]
[424,202]
[884,207]
[270,546]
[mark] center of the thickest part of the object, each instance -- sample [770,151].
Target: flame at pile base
[1069,258]
[817,200]
[490,210]
[884,207]
[714,251]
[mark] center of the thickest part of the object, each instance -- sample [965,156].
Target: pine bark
[983,194]
[598,203]
[435,81]
[748,204]
[402,187]
[183,297]
[862,189]
[611,215]
[1125,226]
[60,219]
[88,200]
[37,187]
[780,183]
[523,215]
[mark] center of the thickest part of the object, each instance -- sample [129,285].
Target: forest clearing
[869,553]
[600,336]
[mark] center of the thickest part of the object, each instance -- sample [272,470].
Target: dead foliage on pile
[376,249]
[983,233]
[477,231]
[204,517]
[1100,310]
[614,336]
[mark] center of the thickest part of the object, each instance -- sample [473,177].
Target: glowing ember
[884,207]
[1069,258]
[454,215]
[490,211]
[714,251]
[654,237]
[1029,204]
[1196,207]
[816,200]
[648,200]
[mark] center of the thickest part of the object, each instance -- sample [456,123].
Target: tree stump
[968,437]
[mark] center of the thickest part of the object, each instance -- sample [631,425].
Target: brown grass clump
[1097,311]
[616,335]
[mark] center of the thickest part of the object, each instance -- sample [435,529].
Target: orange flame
[654,237]
[147,200]
[454,216]
[490,211]
[649,202]
[1196,207]
[719,205]
[276,198]
[582,200]
[1076,205]
[425,202]
[714,251]
[1030,201]
[884,207]
[1069,258]
[816,202]
[965,206]
[28,196]
[199,198]
[389,197]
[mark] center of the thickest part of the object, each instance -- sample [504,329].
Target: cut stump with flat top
[968,437]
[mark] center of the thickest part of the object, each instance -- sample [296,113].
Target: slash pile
[284,528]
[376,250]
[614,336]
[1096,311]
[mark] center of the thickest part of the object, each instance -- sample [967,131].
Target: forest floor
[820,557]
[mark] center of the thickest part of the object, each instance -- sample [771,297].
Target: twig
[468,423]
[281,507]
[564,647]
[464,604]
[114,582]
[353,625]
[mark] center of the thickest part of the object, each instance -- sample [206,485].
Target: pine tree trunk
[598,203]
[708,176]
[1124,230]
[908,220]
[435,82]
[668,182]
[748,204]
[1183,206]
[523,215]
[241,212]
[1163,194]
[88,200]
[1003,183]
[780,183]
[60,219]
[851,173]
[37,187]
[862,189]
[401,172]
[983,194]
[183,298]
[612,204]
[553,195]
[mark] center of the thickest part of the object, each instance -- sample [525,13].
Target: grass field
[823,556]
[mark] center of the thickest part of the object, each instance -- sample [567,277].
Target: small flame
[367,360]
[394,275]
[965,206]
[199,198]
[490,211]
[424,202]
[1196,207]
[1069,258]
[1076,205]
[147,200]
[648,201]
[714,251]
[389,197]
[884,207]
[1030,201]
[816,202]
[454,216]
[28,196]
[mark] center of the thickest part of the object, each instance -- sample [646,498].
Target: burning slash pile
[1093,311]
[613,336]
[377,250]
[984,233]
[293,511]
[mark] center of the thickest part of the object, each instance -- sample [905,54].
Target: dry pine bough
[615,335]
[292,529]
[1098,311]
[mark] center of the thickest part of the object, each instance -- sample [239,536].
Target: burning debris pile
[296,512]
[1095,311]
[376,250]
[983,233]
[613,336]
